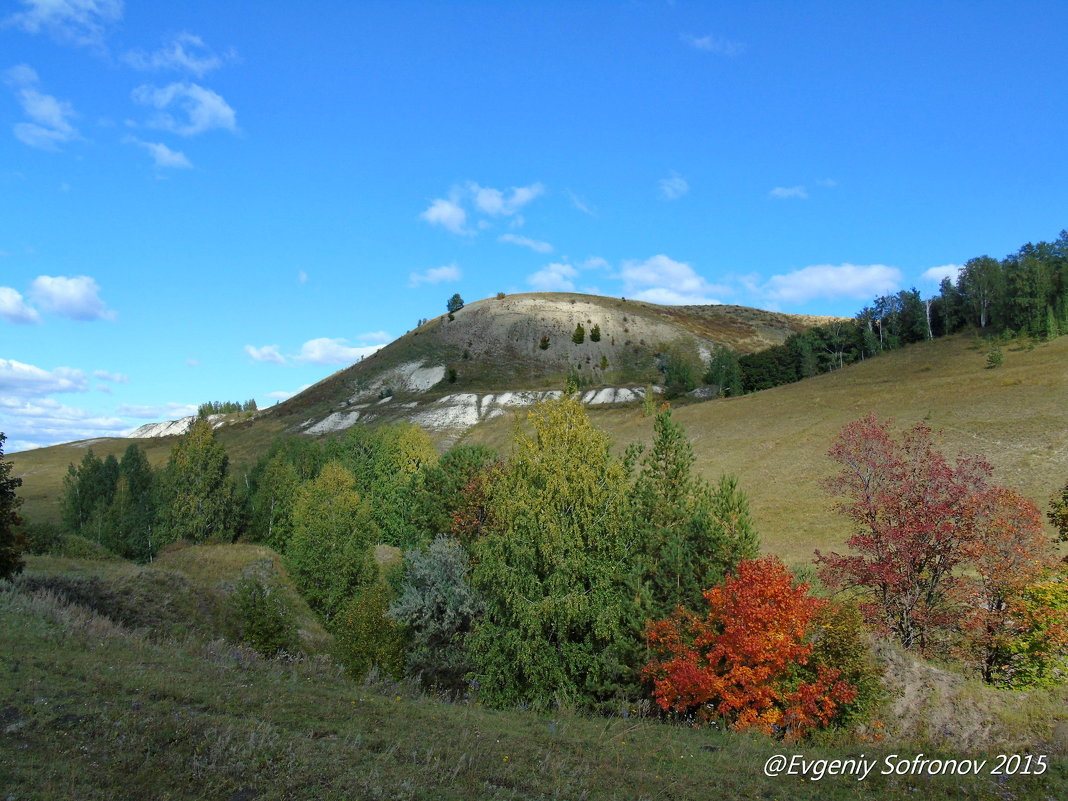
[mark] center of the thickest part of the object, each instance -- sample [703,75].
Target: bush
[995,358]
[438,606]
[839,642]
[43,538]
[544,344]
[501,296]
[262,618]
[366,638]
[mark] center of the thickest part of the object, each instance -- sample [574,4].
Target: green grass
[91,711]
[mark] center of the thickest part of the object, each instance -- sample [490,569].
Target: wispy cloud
[50,124]
[333,351]
[789,192]
[114,378]
[833,281]
[79,22]
[496,202]
[934,275]
[29,381]
[14,309]
[435,275]
[580,204]
[302,277]
[77,297]
[673,187]
[203,109]
[160,411]
[185,52]
[661,279]
[526,242]
[45,421]
[381,337]
[714,44]
[556,277]
[266,353]
[162,156]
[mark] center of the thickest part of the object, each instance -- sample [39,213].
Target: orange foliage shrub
[742,661]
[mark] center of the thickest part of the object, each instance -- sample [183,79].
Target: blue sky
[207,201]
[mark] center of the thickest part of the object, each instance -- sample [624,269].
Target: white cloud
[526,242]
[376,336]
[302,277]
[162,155]
[833,281]
[186,52]
[51,118]
[435,275]
[204,109]
[673,187]
[28,381]
[714,44]
[14,309]
[661,279]
[115,378]
[789,192]
[554,277]
[76,298]
[44,421]
[268,353]
[449,214]
[495,202]
[935,275]
[333,351]
[163,411]
[80,22]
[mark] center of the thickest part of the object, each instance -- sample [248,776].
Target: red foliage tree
[740,661]
[1009,553]
[915,512]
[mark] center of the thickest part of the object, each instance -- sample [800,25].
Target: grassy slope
[90,711]
[776,441]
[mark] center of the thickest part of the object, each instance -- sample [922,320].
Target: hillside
[493,346]
[775,441]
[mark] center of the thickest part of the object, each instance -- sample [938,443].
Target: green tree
[272,503]
[197,494]
[595,333]
[724,373]
[554,567]
[264,620]
[329,553]
[441,486]
[131,516]
[1058,513]
[580,335]
[11,542]
[455,303]
[691,535]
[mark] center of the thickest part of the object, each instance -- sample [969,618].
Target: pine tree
[595,333]
[580,335]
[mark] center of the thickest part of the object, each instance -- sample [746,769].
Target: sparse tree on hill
[11,542]
[580,335]
[454,304]
[595,333]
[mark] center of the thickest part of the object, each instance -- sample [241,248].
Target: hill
[448,375]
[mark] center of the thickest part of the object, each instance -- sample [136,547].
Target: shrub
[580,335]
[544,344]
[739,661]
[501,296]
[42,538]
[438,606]
[595,334]
[263,619]
[995,358]
[366,637]
[839,641]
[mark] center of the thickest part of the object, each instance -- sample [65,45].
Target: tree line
[1024,294]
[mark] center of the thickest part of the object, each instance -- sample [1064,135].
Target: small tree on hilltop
[455,303]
